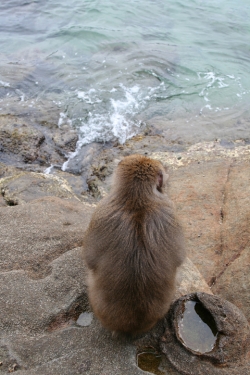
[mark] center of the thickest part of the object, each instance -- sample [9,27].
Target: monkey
[132,248]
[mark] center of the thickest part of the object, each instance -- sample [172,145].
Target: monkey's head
[140,173]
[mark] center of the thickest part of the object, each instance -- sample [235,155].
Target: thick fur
[132,248]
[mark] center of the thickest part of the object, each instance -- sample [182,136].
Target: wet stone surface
[150,360]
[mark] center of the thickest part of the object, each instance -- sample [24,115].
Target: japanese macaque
[132,248]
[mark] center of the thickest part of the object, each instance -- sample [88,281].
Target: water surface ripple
[111,67]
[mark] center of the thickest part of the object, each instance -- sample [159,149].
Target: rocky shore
[43,218]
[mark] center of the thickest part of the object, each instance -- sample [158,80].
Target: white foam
[49,169]
[208,106]
[86,96]
[4,84]
[112,120]
[116,123]
[214,80]
[211,76]
[63,119]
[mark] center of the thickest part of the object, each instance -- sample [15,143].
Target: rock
[26,141]
[197,190]
[22,187]
[235,214]
[2,202]
[211,190]
[234,283]
[7,170]
[81,163]
[77,183]
[47,303]
[72,351]
[189,280]
[39,232]
[65,138]
[20,139]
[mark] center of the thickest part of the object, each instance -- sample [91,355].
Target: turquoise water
[111,67]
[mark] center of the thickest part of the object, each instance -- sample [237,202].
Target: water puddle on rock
[197,328]
[149,360]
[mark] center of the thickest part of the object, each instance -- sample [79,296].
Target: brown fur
[132,248]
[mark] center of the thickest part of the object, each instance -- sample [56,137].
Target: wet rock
[44,112]
[19,138]
[93,187]
[65,138]
[232,341]
[82,162]
[31,136]
[150,360]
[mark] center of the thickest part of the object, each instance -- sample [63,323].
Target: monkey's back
[132,262]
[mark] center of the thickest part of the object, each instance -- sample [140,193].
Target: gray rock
[85,319]
[22,187]
[47,303]
[19,138]
[72,351]
[35,234]
[27,141]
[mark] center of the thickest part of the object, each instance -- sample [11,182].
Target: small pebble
[84,319]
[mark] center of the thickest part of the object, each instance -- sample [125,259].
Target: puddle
[149,360]
[197,328]
[84,319]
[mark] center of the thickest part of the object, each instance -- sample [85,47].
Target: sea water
[111,67]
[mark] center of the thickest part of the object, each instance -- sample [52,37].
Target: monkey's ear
[159,180]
